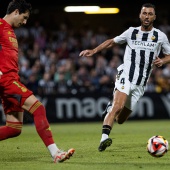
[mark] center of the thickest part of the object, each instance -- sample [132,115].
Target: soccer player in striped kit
[144,44]
[14,95]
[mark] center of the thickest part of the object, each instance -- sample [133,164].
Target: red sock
[41,123]
[12,129]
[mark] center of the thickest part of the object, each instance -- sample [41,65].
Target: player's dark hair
[149,5]
[21,5]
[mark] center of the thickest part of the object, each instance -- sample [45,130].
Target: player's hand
[158,62]
[86,53]
[1,74]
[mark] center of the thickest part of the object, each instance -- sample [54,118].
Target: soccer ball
[157,146]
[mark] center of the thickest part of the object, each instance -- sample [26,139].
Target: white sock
[52,149]
[104,136]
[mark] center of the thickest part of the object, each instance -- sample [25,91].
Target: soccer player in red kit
[14,95]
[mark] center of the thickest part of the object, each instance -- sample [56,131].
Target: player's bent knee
[12,129]
[14,132]
[18,132]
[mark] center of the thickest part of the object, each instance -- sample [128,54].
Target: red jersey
[8,49]
[12,92]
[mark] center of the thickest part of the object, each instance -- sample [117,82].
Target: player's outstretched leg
[104,144]
[43,129]
[61,156]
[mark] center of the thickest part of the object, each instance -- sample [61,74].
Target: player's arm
[105,45]
[166,59]
[166,51]
[159,62]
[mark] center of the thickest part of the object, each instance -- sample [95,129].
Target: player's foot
[61,156]
[104,144]
[108,107]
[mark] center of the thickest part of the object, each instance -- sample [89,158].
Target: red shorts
[13,93]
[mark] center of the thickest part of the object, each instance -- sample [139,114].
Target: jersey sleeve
[165,45]
[121,39]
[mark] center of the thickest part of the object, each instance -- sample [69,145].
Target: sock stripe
[15,125]
[34,107]
[107,128]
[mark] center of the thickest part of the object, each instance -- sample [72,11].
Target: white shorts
[134,92]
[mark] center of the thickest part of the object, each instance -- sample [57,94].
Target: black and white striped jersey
[141,49]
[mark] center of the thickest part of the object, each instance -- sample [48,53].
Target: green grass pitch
[127,152]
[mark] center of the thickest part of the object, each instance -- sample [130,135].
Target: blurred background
[74,88]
